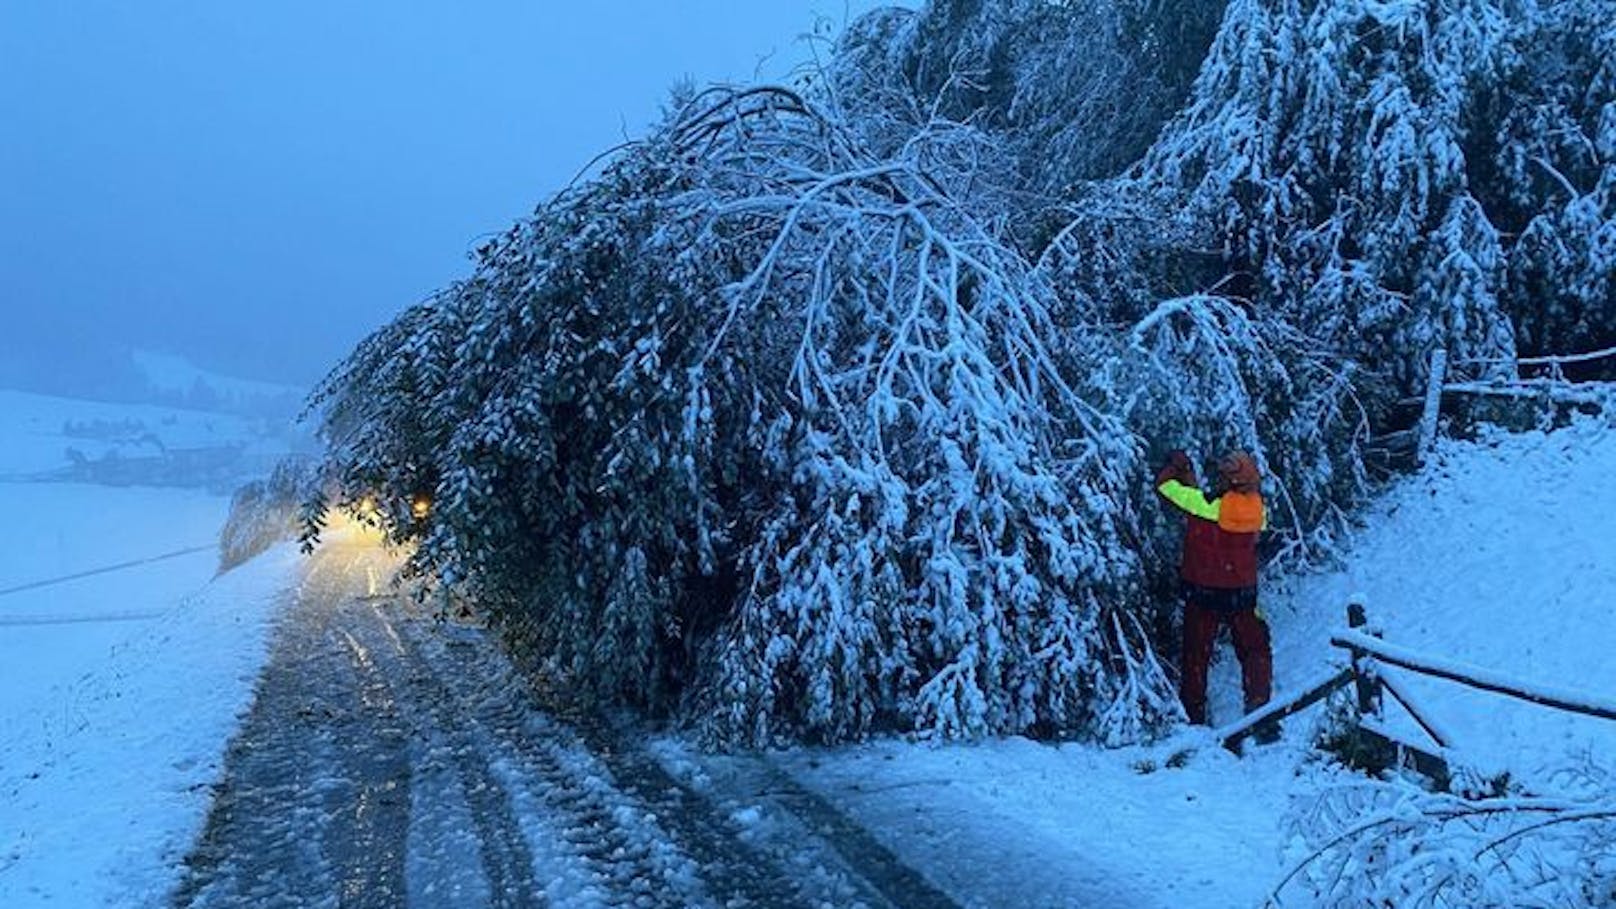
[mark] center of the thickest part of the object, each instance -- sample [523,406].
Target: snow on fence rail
[1410,443]
[1476,676]
[1538,389]
[1569,358]
[1415,441]
[1552,360]
[1368,657]
[1555,385]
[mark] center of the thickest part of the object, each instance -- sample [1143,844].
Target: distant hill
[113,372]
[172,379]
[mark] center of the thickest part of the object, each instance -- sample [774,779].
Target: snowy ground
[59,621]
[104,778]
[1500,555]
[1018,823]
[122,665]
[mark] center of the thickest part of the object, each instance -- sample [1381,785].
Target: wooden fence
[1535,390]
[1366,654]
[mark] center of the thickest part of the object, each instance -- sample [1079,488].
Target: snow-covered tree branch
[1394,844]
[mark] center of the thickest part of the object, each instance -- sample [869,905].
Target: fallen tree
[820,412]
[761,425]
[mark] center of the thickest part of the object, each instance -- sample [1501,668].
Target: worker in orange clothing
[1220,576]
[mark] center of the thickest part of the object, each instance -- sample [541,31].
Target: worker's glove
[1177,467]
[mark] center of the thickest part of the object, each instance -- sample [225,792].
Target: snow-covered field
[106,780]
[58,621]
[122,665]
[38,431]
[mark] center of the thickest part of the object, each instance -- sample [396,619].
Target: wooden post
[1364,678]
[1433,404]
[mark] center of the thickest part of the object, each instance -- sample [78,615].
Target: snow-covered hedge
[268,511]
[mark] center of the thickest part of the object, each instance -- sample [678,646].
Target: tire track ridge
[507,859]
[619,858]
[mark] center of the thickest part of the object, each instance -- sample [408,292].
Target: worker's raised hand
[1177,467]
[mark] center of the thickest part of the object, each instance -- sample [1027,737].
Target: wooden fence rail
[1368,655]
[1476,677]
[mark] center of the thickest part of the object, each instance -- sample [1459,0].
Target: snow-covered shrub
[1373,843]
[265,512]
[765,424]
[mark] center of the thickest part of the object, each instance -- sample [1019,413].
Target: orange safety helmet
[1239,471]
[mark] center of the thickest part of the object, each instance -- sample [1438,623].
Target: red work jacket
[1220,541]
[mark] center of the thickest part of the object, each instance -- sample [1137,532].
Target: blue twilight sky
[256,185]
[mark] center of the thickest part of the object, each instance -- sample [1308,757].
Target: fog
[256,186]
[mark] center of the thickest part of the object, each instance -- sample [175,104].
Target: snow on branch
[1394,844]
[828,409]
[768,430]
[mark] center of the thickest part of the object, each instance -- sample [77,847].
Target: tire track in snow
[262,842]
[313,807]
[379,747]
[737,873]
[631,859]
[507,860]
[370,825]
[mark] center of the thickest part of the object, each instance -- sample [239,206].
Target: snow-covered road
[388,761]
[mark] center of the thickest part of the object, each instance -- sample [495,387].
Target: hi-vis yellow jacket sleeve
[1189,499]
[1193,501]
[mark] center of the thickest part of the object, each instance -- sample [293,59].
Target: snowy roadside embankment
[104,783]
[1499,555]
